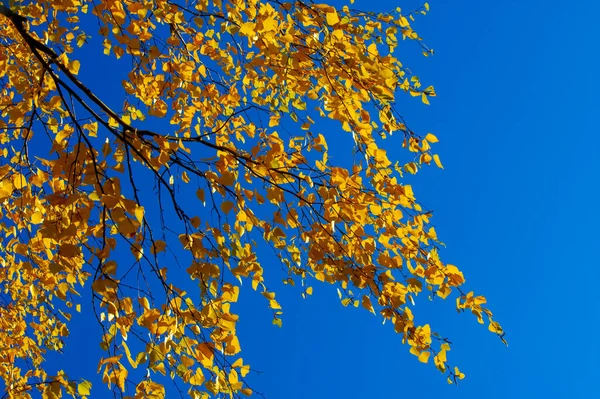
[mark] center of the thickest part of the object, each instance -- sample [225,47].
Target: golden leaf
[247,29]
[84,388]
[424,356]
[431,138]
[332,18]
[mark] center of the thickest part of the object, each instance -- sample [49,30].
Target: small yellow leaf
[128,354]
[37,217]
[495,327]
[139,214]
[81,40]
[269,295]
[84,388]
[19,181]
[74,67]
[424,356]
[197,378]
[439,361]
[372,49]
[411,167]
[431,138]
[424,98]
[247,29]
[332,18]
[436,159]
[458,373]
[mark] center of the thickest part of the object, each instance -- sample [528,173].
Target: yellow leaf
[197,378]
[74,67]
[269,295]
[84,388]
[372,49]
[383,93]
[495,327]
[424,356]
[436,159]
[411,167]
[415,351]
[269,24]
[458,373]
[274,120]
[332,18]
[424,98]
[19,181]
[37,217]
[247,29]
[431,138]
[439,361]
[375,209]
[128,354]
[139,214]
[81,40]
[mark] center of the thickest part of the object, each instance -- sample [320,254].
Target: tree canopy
[153,202]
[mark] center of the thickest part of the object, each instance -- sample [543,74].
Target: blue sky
[515,205]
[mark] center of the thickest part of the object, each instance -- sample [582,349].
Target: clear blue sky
[515,205]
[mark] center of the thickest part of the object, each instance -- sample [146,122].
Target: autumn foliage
[154,209]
